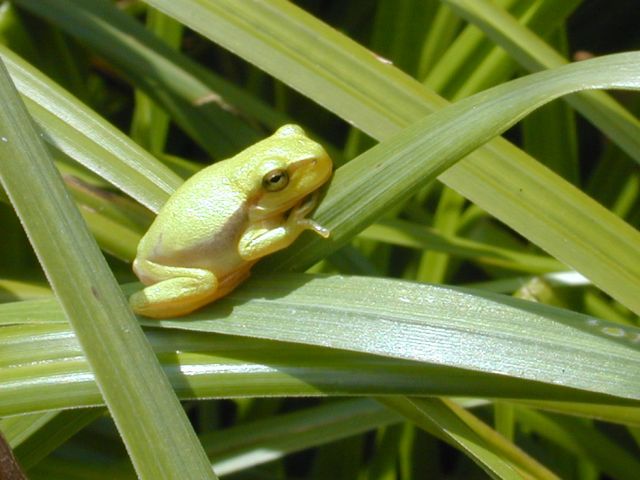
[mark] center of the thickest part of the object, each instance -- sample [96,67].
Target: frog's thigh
[179,291]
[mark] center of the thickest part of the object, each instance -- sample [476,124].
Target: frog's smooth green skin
[222,220]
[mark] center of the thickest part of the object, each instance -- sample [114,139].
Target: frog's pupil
[276,180]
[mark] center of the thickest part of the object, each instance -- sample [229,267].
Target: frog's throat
[257,212]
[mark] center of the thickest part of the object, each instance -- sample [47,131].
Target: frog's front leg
[277,233]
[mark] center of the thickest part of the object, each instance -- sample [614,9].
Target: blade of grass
[196,107]
[260,441]
[468,53]
[433,266]
[496,66]
[102,25]
[498,457]
[266,440]
[439,327]
[139,396]
[534,54]
[396,33]
[420,312]
[43,368]
[583,439]
[550,134]
[412,235]
[441,32]
[84,136]
[11,290]
[629,416]
[150,124]
[37,435]
[244,368]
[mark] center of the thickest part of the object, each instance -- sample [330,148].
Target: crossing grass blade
[497,346]
[93,303]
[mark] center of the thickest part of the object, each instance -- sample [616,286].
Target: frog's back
[200,224]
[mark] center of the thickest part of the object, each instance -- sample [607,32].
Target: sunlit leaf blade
[265,440]
[498,457]
[34,436]
[169,78]
[506,339]
[534,54]
[431,324]
[584,439]
[407,234]
[44,369]
[87,138]
[93,303]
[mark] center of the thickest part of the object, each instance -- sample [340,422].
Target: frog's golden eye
[275,180]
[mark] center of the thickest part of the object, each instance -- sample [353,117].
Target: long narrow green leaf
[407,234]
[152,66]
[379,99]
[492,65]
[257,442]
[441,32]
[18,428]
[265,440]
[433,266]
[507,339]
[534,54]
[498,457]
[467,54]
[320,60]
[11,290]
[583,439]
[43,368]
[84,136]
[610,413]
[105,326]
[36,435]
[150,123]
[499,327]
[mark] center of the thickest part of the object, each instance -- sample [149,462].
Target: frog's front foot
[300,211]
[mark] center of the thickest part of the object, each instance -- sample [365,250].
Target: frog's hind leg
[177,291]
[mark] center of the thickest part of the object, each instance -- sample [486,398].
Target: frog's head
[289,167]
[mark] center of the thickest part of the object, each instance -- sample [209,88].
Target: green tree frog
[226,217]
